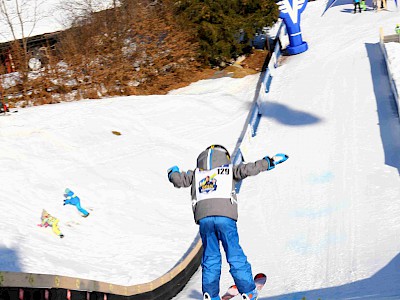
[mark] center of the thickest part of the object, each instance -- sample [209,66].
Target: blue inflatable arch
[332,3]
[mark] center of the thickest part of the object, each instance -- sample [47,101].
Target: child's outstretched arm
[251,169]
[67,201]
[180,179]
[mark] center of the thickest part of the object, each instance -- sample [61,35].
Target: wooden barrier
[162,288]
[394,38]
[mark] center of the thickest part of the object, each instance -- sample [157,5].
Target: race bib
[215,183]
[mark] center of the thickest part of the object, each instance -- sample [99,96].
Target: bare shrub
[129,49]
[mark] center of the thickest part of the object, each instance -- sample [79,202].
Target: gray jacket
[218,206]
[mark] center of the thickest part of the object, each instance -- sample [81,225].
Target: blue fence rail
[262,90]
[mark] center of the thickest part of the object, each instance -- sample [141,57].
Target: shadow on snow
[383,285]
[9,260]
[285,115]
[350,3]
[389,123]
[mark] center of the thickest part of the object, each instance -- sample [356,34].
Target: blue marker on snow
[74,200]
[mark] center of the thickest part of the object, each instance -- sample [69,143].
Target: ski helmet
[213,157]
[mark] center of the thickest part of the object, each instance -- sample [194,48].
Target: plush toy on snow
[49,220]
[74,200]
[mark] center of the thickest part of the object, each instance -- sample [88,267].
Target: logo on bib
[208,184]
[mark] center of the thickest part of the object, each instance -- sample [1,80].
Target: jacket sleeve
[182,179]
[242,171]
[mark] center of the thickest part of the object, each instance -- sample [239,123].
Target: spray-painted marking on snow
[318,213]
[321,178]
[302,246]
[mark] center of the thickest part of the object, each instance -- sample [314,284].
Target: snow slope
[139,225]
[323,224]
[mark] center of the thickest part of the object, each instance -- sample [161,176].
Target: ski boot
[207,296]
[252,295]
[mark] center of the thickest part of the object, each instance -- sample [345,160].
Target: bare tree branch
[21,16]
[76,10]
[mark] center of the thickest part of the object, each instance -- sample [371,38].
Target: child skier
[74,200]
[357,3]
[214,204]
[363,5]
[3,106]
[375,5]
[397,29]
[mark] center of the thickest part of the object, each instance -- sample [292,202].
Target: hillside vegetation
[144,47]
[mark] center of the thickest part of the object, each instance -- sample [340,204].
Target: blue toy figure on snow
[290,11]
[75,201]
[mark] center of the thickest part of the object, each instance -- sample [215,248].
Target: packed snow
[325,224]
[136,217]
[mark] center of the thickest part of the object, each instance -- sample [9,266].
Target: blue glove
[172,170]
[275,160]
[280,158]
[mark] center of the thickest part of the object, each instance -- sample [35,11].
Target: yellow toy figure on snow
[49,220]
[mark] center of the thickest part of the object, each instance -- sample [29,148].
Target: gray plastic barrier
[387,39]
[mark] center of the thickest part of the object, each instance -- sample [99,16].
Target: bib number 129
[223,171]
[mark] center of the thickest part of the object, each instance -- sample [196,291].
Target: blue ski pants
[81,209]
[75,201]
[214,230]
